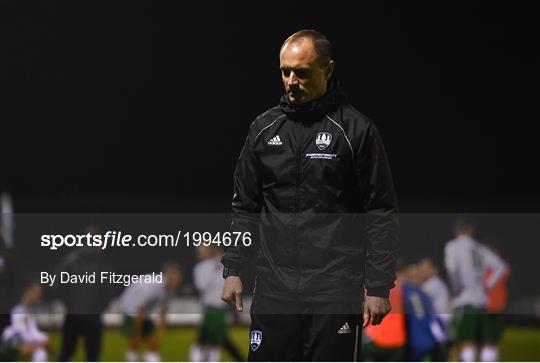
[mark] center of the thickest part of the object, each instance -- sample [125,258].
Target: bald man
[313,187]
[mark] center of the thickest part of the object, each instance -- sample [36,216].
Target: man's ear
[330,69]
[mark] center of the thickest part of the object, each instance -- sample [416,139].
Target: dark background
[145,106]
[142,106]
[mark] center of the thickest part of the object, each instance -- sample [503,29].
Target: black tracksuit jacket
[314,188]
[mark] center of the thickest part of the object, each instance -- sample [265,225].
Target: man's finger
[227,298]
[367,317]
[239,305]
[230,300]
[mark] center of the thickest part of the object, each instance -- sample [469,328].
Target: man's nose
[292,80]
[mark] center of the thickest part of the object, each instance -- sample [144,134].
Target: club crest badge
[256,339]
[323,139]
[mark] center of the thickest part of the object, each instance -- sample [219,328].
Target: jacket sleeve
[379,208]
[246,207]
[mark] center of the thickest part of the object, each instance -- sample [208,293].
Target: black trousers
[87,326]
[285,331]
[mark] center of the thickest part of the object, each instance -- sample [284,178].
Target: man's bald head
[306,65]
[320,43]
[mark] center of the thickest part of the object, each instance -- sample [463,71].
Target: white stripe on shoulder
[344,134]
[260,132]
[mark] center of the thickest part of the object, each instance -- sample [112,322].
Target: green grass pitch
[519,344]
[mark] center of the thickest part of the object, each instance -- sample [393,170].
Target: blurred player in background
[435,287]
[5,282]
[7,265]
[84,304]
[208,280]
[437,290]
[466,262]
[425,331]
[497,299]
[22,338]
[7,220]
[137,302]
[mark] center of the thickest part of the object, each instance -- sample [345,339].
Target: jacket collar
[334,97]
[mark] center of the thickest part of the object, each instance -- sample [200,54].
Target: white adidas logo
[345,329]
[275,141]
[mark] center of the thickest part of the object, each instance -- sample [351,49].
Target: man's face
[426,268]
[303,74]
[413,274]
[34,293]
[173,278]
[203,252]
[468,231]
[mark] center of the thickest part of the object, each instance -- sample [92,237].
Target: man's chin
[296,100]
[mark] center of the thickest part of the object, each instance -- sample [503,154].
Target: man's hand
[375,309]
[232,292]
